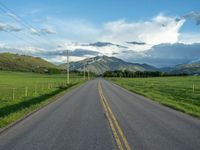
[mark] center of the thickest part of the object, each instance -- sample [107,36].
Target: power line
[20,20]
[18,37]
[14,34]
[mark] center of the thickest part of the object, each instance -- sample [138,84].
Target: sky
[161,33]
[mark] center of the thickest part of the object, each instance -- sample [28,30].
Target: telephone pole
[67,66]
[84,71]
[88,74]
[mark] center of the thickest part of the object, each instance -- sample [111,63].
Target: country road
[102,116]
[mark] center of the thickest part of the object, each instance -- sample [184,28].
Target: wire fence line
[8,92]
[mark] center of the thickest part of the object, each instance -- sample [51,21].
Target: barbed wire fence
[8,92]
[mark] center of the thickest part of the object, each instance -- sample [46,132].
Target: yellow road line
[113,123]
[119,144]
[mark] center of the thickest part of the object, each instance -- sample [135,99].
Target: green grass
[15,62]
[21,93]
[174,92]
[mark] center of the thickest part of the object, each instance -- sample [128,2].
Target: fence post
[26,91]
[193,88]
[35,90]
[13,95]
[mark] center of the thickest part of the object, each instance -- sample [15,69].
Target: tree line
[138,74]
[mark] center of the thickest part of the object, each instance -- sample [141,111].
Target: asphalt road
[77,121]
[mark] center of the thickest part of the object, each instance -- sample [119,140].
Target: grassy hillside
[175,92]
[190,68]
[21,93]
[100,64]
[15,62]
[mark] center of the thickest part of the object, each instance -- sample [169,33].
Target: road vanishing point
[100,115]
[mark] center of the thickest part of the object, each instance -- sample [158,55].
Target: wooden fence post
[35,90]
[26,91]
[193,88]
[13,95]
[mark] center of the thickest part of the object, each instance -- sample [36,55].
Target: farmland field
[181,93]
[21,93]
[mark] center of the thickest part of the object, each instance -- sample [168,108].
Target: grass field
[181,93]
[21,93]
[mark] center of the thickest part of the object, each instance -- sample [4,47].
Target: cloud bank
[10,28]
[157,41]
[165,55]
[194,16]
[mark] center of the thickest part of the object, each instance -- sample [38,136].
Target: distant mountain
[100,64]
[15,62]
[189,68]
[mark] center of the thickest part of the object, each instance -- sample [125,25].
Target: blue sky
[74,25]
[104,10]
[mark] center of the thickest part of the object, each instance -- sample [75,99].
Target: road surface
[100,116]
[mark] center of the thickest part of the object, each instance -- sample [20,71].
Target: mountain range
[188,68]
[98,65]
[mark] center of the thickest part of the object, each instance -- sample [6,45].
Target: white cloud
[9,27]
[105,50]
[34,31]
[157,30]
[161,29]
[189,38]
[63,59]
[13,16]
[2,45]
[42,31]
[48,31]
[29,50]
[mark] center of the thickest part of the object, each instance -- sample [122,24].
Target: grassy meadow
[21,93]
[181,93]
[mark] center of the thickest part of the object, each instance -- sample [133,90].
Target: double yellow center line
[118,134]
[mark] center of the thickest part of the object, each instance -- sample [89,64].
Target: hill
[100,64]
[189,68]
[15,62]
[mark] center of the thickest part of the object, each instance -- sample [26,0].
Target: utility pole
[88,74]
[84,71]
[67,66]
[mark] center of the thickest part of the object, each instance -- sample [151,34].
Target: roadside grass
[31,91]
[180,93]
